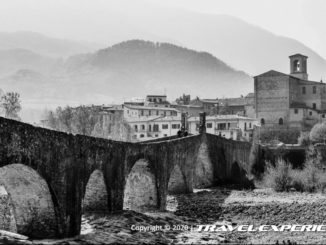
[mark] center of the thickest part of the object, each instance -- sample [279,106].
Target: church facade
[289,100]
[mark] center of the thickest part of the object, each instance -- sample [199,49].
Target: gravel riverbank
[212,206]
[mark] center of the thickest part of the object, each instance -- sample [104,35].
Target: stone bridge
[48,178]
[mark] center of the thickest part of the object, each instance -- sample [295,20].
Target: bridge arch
[30,199]
[235,171]
[95,195]
[140,191]
[177,181]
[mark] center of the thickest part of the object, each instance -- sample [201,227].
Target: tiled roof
[150,108]
[222,117]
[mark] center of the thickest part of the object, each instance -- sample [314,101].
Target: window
[165,113]
[142,136]
[165,126]
[142,112]
[156,135]
[280,121]
[209,125]
[314,89]
[262,121]
[221,126]
[296,111]
[197,126]
[314,106]
[165,135]
[136,128]
[149,112]
[155,128]
[303,90]
[175,126]
[143,127]
[249,125]
[323,116]
[149,128]
[157,113]
[229,124]
[310,113]
[245,126]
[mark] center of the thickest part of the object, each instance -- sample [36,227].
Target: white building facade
[147,128]
[229,126]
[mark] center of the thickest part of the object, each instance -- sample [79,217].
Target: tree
[318,133]
[11,104]
[51,120]
[65,117]
[85,119]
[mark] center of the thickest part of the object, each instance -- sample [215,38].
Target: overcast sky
[303,20]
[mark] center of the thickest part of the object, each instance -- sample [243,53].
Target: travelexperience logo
[261,228]
[230,228]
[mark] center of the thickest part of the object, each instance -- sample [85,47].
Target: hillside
[125,70]
[138,67]
[238,43]
[44,45]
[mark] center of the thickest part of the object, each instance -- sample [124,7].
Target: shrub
[318,133]
[278,177]
[304,139]
[282,177]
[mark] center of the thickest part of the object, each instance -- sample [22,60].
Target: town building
[243,106]
[131,111]
[157,101]
[154,127]
[229,126]
[289,101]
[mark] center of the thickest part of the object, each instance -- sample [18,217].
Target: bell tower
[298,66]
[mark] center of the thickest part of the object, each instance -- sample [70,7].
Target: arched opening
[140,192]
[239,176]
[26,198]
[95,198]
[177,183]
[7,216]
[262,121]
[296,65]
[280,121]
[235,172]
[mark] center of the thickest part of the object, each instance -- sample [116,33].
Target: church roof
[294,55]
[272,73]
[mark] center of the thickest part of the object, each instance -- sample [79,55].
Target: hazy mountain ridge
[44,45]
[238,43]
[125,70]
[159,66]
[145,54]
